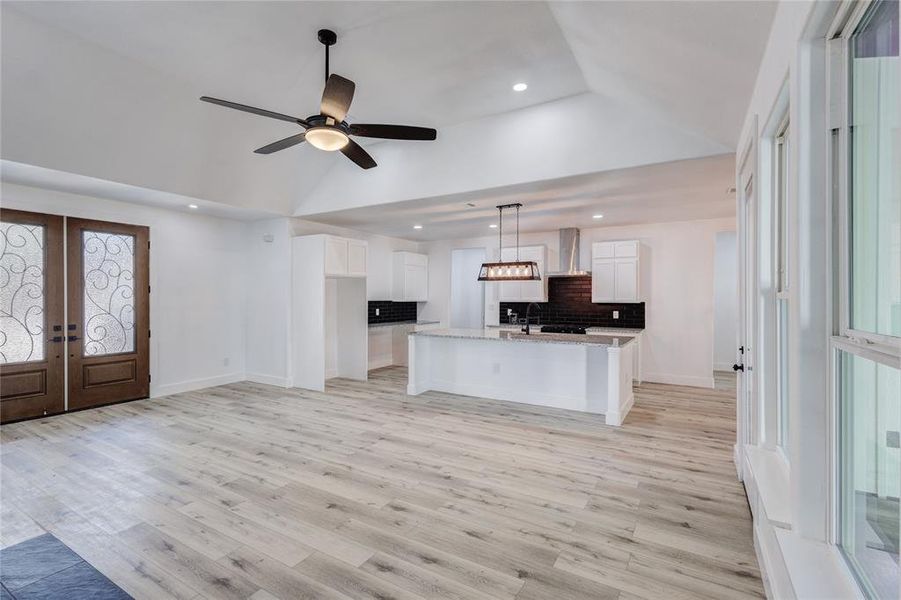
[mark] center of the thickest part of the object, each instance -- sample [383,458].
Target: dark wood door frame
[35,388]
[97,374]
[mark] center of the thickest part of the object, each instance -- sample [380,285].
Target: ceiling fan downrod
[328,38]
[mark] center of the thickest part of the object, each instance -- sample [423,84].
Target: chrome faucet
[525,329]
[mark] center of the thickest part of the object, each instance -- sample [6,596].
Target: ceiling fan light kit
[327,138]
[328,130]
[515,270]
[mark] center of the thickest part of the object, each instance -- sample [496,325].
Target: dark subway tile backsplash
[391,312]
[569,302]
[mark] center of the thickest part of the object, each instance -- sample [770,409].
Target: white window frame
[781,171]
[842,107]
[879,348]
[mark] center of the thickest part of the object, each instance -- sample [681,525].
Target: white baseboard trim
[380,362]
[617,418]
[276,380]
[689,380]
[194,384]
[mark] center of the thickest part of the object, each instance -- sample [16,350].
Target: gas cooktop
[562,329]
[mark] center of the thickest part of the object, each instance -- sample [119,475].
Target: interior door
[109,312]
[745,384]
[31,315]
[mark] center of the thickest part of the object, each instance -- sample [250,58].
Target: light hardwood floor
[252,491]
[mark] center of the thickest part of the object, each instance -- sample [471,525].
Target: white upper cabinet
[356,258]
[345,257]
[615,271]
[525,291]
[410,277]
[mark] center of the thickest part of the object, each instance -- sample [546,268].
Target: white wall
[725,301]
[511,148]
[268,316]
[198,282]
[677,274]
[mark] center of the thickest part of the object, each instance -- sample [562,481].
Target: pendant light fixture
[515,270]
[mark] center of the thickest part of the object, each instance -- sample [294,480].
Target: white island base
[588,373]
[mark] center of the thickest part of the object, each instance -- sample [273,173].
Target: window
[870,470]
[874,207]
[780,213]
[868,344]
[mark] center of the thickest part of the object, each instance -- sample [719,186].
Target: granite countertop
[394,323]
[498,334]
[614,331]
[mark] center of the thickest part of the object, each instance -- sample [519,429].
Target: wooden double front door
[74,313]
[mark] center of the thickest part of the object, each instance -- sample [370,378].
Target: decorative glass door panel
[109,312]
[21,292]
[31,311]
[109,293]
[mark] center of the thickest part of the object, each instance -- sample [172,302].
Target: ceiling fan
[328,130]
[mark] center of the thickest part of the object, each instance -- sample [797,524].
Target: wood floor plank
[362,492]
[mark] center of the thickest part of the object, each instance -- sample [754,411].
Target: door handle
[73,338]
[56,339]
[738,368]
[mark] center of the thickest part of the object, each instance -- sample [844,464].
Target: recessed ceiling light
[520,87]
[493,226]
[417,227]
[597,216]
[193,206]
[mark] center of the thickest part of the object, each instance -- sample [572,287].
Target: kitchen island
[587,373]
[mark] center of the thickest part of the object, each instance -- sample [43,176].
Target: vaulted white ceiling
[109,90]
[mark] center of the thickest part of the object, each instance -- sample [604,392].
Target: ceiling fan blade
[257,111]
[355,152]
[393,132]
[281,144]
[336,97]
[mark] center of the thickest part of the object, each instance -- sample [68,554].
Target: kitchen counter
[587,373]
[591,330]
[396,323]
[499,334]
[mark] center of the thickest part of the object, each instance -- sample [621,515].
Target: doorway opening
[467,302]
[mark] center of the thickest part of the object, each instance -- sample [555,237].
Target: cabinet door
[534,291]
[625,249]
[602,280]
[335,256]
[416,283]
[602,250]
[356,258]
[626,280]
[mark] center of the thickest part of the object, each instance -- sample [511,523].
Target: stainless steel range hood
[570,245]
